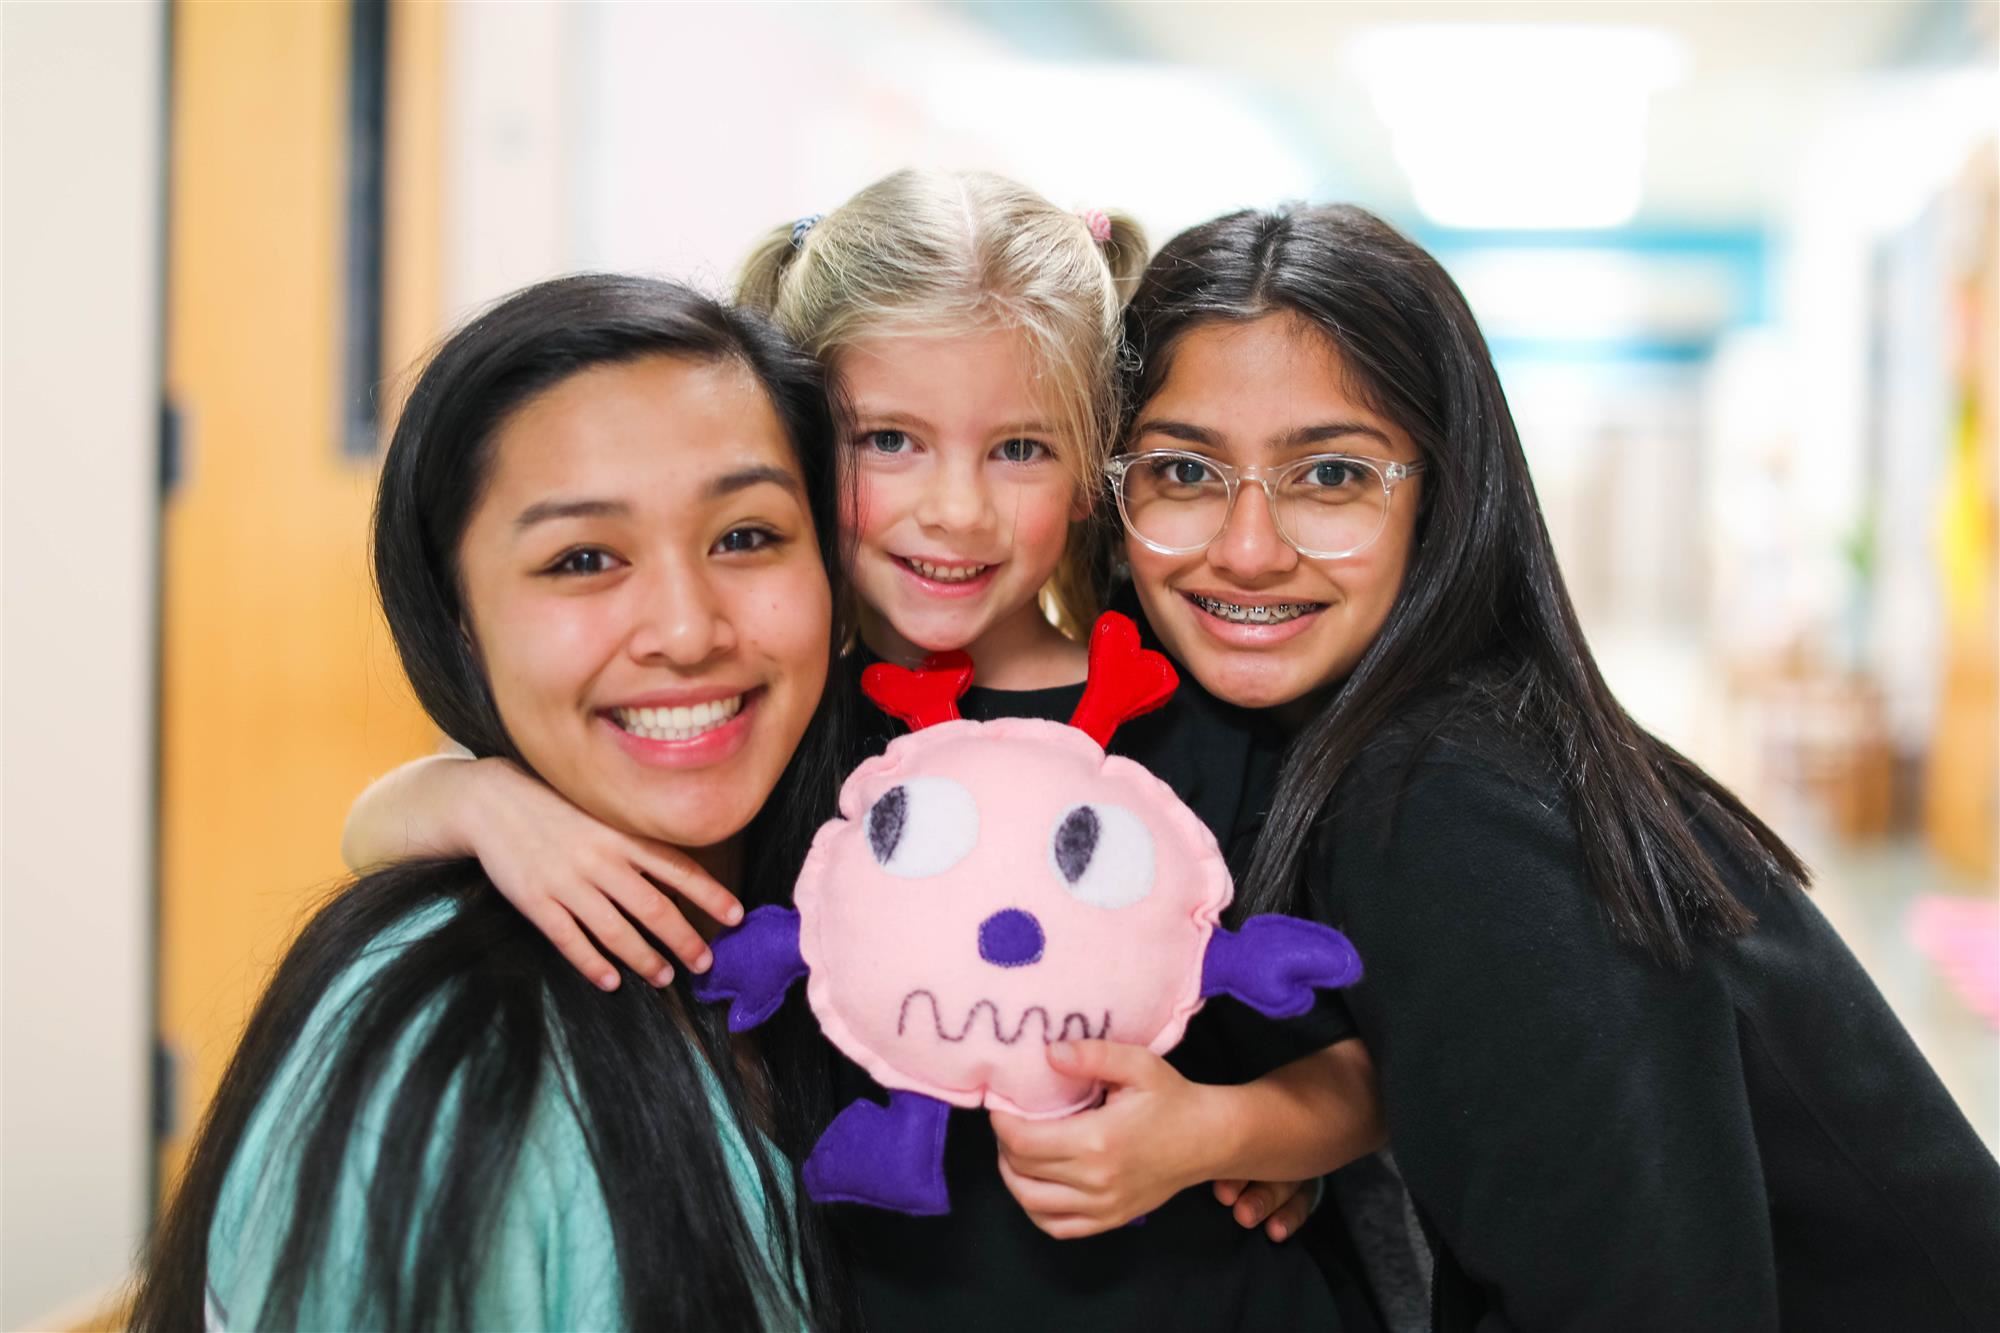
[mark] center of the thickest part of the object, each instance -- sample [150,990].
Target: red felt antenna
[1125,679]
[924,697]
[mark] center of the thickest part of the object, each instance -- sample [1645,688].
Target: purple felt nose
[1010,938]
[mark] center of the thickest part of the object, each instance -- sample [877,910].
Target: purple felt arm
[755,964]
[1275,963]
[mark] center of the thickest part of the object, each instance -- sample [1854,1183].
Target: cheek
[1152,576]
[1370,584]
[874,504]
[787,620]
[541,654]
[1039,516]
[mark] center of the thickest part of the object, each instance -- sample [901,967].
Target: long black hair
[492,1012]
[1483,618]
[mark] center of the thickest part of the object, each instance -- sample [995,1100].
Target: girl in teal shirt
[604,543]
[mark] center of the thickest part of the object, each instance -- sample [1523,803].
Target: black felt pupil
[885,823]
[1076,842]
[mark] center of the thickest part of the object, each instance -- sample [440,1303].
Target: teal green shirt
[551,1263]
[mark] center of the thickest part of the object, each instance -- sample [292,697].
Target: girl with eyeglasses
[1632,1078]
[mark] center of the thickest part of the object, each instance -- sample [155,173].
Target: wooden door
[280,693]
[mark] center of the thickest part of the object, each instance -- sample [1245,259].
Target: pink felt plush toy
[989,888]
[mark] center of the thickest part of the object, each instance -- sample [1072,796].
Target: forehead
[633,428]
[1259,380]
[978,375]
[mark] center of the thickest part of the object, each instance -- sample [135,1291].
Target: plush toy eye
[922,827]
[1103,854]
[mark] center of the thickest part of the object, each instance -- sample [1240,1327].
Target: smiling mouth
[677,724]
[1074,1024]
[943,573]
[1275,613]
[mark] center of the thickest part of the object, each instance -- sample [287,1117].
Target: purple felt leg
[884,1156]
[1275,963]
[755,964]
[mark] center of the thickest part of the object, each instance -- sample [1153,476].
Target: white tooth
[676,718]
[732,706]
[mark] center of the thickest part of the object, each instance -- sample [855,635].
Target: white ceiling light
[1519,125]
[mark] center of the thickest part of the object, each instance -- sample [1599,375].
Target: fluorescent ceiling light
[1519,125]
[1172,145]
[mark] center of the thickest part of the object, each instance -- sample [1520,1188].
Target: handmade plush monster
[989,888]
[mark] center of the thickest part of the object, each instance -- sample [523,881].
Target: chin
[1248,680]
[695,819]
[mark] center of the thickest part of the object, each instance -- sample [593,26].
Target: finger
[1076,1227]
[1119,1063]
[1043,1197]
[659,914]
[1037,1144]
[616,934]
[1255,1205]
[1227,1192]
[570,941]
[678,871]
[1290,1216]
[596,912]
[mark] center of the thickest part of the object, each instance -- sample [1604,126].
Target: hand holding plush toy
[990,888]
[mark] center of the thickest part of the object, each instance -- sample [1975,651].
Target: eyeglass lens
[1324,506]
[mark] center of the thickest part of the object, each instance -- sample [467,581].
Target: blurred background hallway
[1738,264]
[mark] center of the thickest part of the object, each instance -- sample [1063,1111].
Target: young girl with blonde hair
[971,330]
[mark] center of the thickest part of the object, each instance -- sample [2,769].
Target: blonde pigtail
[1125,254]
[763,275]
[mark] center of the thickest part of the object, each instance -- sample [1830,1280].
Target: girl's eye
[889,442]
[1333,472]
[746,539]
[585,560]
[1178,471]
[1024,451]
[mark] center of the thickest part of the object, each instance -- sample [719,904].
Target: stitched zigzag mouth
[1074,1026]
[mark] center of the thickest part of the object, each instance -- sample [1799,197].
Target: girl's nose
[1250,545]
[1010,938]
[678,618]
[955,500]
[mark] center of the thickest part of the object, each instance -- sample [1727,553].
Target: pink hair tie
[1099,223]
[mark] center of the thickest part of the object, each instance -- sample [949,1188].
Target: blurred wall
[80,99]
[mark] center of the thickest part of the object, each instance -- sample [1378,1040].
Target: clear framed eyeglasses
[1326,506]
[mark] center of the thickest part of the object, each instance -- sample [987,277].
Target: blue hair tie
[802,226]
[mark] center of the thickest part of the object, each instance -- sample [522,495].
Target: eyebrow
[729,483]
[1321,433]
[544,511]
[743,478]
[903,421]
[885,420]
[1333,430]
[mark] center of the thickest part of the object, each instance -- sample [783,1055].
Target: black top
[1189,1265]
[1604,1142]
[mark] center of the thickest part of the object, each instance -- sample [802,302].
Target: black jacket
[1599,1141]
